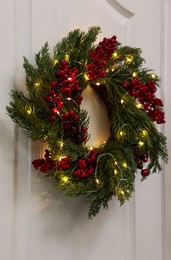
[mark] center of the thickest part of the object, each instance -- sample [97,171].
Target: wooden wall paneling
[39,222]
[6,130]
[59,226]
[22,185]
[149,194]
[167,128]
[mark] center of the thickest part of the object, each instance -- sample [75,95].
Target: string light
[67,57]
[90,148]
[153,76]
[115,55]
[122,101]
[61,144]
[97,181]
[64,179]
[116,172]
[129,58]
[69,79]
[116,163]
[61,157]
[124,164]
[144,133]
[138,106]
[70,99]
[37,84]
[120,192]
[121,133]
[55,62]
[97,83]
[29,111]
[140,143]
[86,77]
[134,74]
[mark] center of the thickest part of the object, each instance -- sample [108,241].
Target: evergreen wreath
[50,111]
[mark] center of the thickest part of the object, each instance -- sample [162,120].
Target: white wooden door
[36,222]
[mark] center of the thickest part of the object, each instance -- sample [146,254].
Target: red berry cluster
[55,103]
[140,159]
[145,94]
[44,165]
[64,164]
[66,79]
[99,56]
[65,86]
[71,126]
[87,166]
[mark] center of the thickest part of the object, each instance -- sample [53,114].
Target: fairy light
[86,77]
[120,192]
[70,99]
[97,83]
[140,143]
[29,111]
[69,79]
[124,164]
[55,62]
[144,133]
[115,55]
[90,148]
[134,74]
[122,101]
[153,76]
[129,58]
[138,106]
[64,179]
[61,144]
[37,84]
[116,172]
[67,57]
[97,181]
[61,157]
[121,133]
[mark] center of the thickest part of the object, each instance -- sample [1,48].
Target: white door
[36,222]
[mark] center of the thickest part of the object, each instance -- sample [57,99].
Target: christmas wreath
[51,111]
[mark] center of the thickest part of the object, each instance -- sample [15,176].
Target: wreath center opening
[99,127]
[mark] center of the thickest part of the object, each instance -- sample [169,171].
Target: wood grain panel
[39,222]
[6,129]
[59,225]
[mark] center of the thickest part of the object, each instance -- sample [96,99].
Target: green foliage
[132,131]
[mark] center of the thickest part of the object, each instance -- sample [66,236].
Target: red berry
[52,118]
[54,110]
[75,117]
[145,172]
[145,159]
[52,92]
[53,83]
[84,129]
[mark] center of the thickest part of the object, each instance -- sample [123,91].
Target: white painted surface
[36,222]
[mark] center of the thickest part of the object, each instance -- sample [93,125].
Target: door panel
[44,224]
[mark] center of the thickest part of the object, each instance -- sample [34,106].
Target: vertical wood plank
[149,194]
[58,225]
[45,224]
[167,129]
[22,188]
[6,129]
